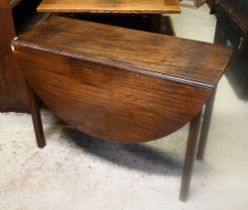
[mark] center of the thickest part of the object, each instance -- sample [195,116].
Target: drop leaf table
[118,84]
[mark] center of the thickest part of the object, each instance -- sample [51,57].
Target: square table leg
[155,23]
[190,156]
[36,117]
[205,125]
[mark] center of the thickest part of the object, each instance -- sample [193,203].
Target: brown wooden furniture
[15,16]
[111,6]
[117,84]
[232,29]
[13,94]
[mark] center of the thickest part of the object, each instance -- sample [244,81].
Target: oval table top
[118,84]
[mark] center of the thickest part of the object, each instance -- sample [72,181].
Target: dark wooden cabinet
[232,29]
[15,17]
[13,96]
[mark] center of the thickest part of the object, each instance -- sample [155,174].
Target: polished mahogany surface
[111,6]
[119,84]
[159,55]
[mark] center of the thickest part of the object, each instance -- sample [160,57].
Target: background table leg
[205,125]
[190,156]
[155,23]
[35,111]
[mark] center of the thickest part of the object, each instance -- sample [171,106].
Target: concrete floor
[76,172]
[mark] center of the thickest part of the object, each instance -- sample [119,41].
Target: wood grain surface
[119,84]
[111,6]
[159,55]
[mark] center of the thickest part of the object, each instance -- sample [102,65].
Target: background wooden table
[111,6]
